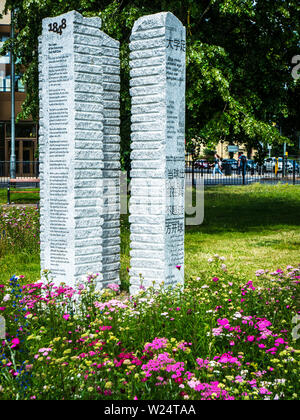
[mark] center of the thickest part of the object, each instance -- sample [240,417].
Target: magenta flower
[15,343]
[223,322]
[261,346]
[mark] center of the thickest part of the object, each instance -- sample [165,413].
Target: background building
[26,131]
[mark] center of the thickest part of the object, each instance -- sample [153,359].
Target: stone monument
[111,155]
[157,61]
[79,146]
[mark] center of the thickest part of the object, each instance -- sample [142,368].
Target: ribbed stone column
[111,155]
[72,147]
[157,62]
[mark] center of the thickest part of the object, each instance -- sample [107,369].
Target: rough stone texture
[74,117]
[111,155]
[157,62]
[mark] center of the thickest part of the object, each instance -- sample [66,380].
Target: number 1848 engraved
[55,27]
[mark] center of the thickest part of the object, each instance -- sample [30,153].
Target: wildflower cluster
[221,338]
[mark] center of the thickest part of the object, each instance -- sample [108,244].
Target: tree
[239,62]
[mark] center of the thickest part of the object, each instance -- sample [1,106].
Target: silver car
[270,164]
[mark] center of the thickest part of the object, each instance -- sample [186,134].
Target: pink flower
[264,391]
[114,287]
[279,341]
[272,350]
[262,346]
[223,322]
[66,317]
[215,279]
[250,338]
[15,343]
[260,273]
[217,331]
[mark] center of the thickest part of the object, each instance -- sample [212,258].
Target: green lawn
[20,198]
[253,227]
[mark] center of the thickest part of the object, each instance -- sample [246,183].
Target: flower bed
[222,337]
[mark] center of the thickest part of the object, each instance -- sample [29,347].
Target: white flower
[224,267]
[280,381]
[244,373]
[6,298]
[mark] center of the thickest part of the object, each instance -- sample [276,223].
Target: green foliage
[238,62]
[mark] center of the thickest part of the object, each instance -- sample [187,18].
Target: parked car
[232,162]
[202,164]
[270,164]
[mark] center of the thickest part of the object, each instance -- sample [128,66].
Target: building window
[5,70]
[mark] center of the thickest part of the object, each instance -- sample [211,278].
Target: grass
[20,198]
[253,226]
[21,263]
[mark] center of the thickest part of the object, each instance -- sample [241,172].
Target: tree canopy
[239,62]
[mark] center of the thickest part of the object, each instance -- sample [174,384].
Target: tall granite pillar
[157,61]
[111,155]
[75,108]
